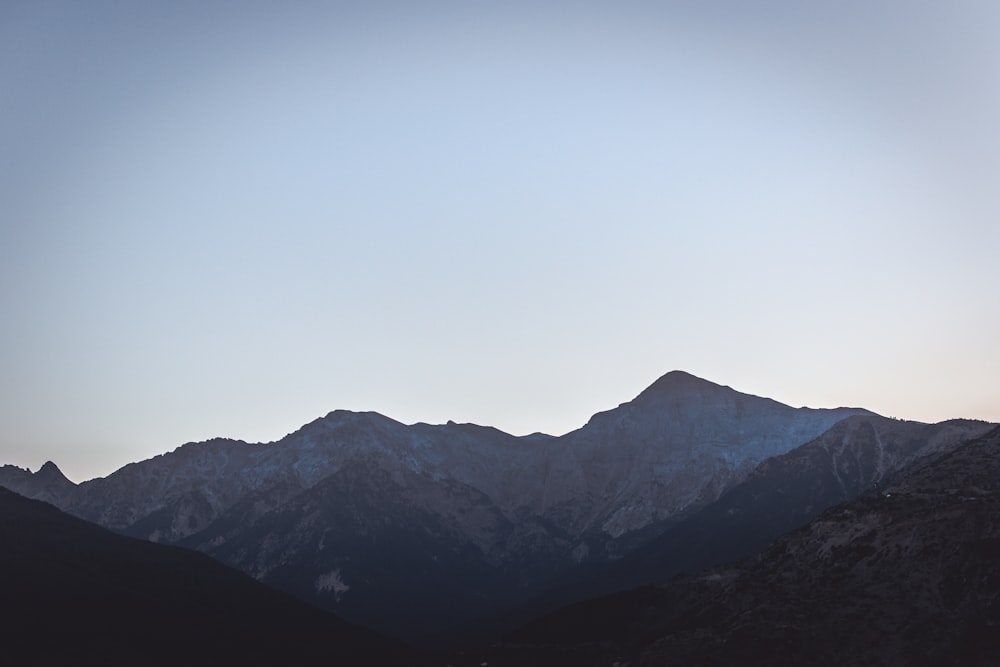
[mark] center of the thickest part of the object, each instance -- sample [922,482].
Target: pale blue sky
[227,219]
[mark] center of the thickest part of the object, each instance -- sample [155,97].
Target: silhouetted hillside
[74,593]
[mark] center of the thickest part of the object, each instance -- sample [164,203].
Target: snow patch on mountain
[332,582]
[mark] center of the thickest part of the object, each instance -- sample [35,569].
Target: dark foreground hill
[907,575]
[74,593]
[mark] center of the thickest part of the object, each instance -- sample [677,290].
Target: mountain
[906,574]
[675,447]
[855,456]
[411,528]
[75,593]
[48,484]
[359,542]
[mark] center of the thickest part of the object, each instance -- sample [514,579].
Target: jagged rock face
[517,510]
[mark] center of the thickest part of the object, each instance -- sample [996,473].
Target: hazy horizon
[227,219]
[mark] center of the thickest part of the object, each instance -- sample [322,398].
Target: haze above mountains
[230,220]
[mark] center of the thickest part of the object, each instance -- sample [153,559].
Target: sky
[228,219]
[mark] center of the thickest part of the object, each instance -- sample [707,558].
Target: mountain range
[412,529]
[436,532]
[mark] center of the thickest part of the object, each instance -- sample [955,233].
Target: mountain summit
[50,473]
[48,484]
[680,443]
[678,380]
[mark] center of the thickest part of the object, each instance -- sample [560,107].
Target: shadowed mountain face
[905,575]
[412,528]
[676,447]
[47,484]
[858,455]
[75,593]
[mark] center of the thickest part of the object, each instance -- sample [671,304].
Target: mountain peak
[675,380]
[51,472]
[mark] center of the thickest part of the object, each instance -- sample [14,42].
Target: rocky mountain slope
[675,447]
[907,574]
[75,593]
[453,519]
[856,456]
[47,484]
